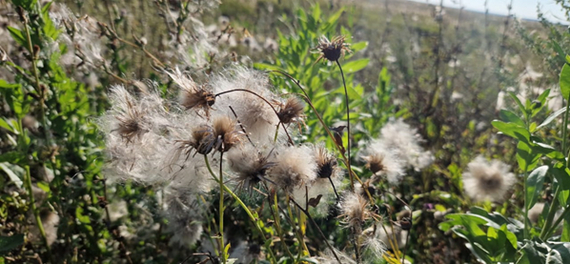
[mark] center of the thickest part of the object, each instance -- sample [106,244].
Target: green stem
[347,125]
[552,210]
[39,90]
[245,208]
[221,221]
[28,184]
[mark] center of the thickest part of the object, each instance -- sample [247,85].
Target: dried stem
[347,125]
[317,227]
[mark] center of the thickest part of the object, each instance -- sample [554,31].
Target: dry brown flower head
[326,163]
[374,162]
[198,97]
[332,50]
[249,176]
[291,110]
[131,123]
[226,133]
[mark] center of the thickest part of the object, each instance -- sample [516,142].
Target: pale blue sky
[521,8]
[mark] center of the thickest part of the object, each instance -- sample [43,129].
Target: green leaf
[511,117]
[355,65]
[565,81]
[4,124]
[534,184]
[17,36]
[26,4]
[513,130]
[526,158]
[9,170]
[562,175]
[519,104]
[551,117]
[356,47]
[8,243]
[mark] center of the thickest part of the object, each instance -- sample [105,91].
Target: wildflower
[291,110]
[251,166]
[487,180]
[332,50]
[256,116]
[132,121]
[327,166]
[382,161]
[328,180]
[355,211]
[192,95]
[405,143]
[203,141]
[226,133]
[295,167]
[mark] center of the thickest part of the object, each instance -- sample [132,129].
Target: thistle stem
[221,211]
[245,208]
[28,184]
[347,124]
[317,227]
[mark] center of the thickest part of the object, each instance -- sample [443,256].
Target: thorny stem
[317,227]
[28,183]
[113,233]
[267,102]
[347,124]
[245,208]
[221,210]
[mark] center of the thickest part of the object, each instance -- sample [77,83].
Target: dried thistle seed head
[198,97]
[192,95]
[131,118]
[295,168]
[251,166]
[383,162]
[332,50]
[486,180]
[374,162]
[327,165]
[291,110]
[226,133]
[355,211]
[203,140]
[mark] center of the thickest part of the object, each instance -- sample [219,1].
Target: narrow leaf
[551,117]
[534,184]
[565,81]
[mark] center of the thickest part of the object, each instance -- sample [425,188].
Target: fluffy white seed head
[405,142]
[486,180]
[383,161]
